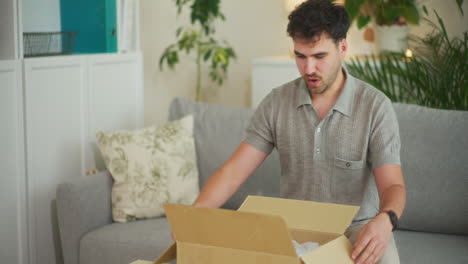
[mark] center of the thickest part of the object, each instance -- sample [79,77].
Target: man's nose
[310,67]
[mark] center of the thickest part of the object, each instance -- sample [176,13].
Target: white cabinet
[50,109]
[8,30]
[54,103]
[13,237]
[269,73]
[115,98]
[47,137]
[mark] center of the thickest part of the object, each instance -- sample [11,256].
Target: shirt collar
[303,96]
[344,103]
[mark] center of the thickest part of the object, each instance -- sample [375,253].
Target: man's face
[319,61]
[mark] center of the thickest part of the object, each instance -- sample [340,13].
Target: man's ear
[343,46]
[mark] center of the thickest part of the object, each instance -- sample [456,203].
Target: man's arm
[227,179]
[391,188]
[374,236]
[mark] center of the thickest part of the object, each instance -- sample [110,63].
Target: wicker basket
[48,43]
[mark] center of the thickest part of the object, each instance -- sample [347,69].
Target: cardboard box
[261,231]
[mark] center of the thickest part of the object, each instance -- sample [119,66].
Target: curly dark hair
[314,17]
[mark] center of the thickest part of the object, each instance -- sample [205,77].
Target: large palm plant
[435,76]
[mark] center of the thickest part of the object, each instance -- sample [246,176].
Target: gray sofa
[434,228]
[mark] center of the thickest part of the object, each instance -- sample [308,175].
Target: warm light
[289,5]
[409,53]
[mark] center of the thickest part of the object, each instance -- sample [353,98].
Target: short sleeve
[259,133]
[384,141]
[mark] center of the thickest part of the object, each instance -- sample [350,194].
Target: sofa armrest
[82,205]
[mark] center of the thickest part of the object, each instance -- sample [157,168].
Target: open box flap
[230,229]
[304,215]
[168,255]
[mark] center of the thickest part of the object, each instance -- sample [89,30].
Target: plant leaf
[425,10]
[444,30]
[363,21]
[460,6]
[390,15]
[353,7]
[411,14]
[207,55]
[179,30]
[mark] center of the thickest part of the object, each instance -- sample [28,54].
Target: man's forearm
[217,190]
[393,198]
[391,187]
[226,180]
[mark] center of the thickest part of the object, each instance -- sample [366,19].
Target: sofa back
[434,156]
[218,131]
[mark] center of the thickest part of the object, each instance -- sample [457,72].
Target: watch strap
[393,218]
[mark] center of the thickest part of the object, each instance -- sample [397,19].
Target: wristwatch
[393,218]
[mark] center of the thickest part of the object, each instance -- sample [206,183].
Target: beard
[320,88]
[323,83]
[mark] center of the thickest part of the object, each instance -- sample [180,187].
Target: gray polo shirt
[329,160]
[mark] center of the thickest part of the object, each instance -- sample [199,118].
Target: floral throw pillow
[150,167]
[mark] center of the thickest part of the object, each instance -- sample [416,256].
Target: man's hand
[372,241]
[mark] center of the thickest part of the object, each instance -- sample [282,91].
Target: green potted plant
[198,38]
[435,76]
[390,18]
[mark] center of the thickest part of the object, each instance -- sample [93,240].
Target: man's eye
[320,56]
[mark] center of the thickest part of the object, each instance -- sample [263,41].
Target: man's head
[318,29]
[314,17]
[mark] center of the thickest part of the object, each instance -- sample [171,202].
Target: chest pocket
[348,181]
[348,141]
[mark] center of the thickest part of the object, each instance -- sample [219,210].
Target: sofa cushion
[434,156]
[218,131]
[426,248]
[124,243]
[150,166]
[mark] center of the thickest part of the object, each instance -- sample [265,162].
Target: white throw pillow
[150,167]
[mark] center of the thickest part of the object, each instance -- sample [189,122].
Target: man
[331,131]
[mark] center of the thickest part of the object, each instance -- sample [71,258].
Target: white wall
[455,23]
[43,15]
[255,29]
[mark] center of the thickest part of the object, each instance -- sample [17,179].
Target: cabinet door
[94,22]
[111,26]
[67,100]
[13,237]
[55,104]
[115,98]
